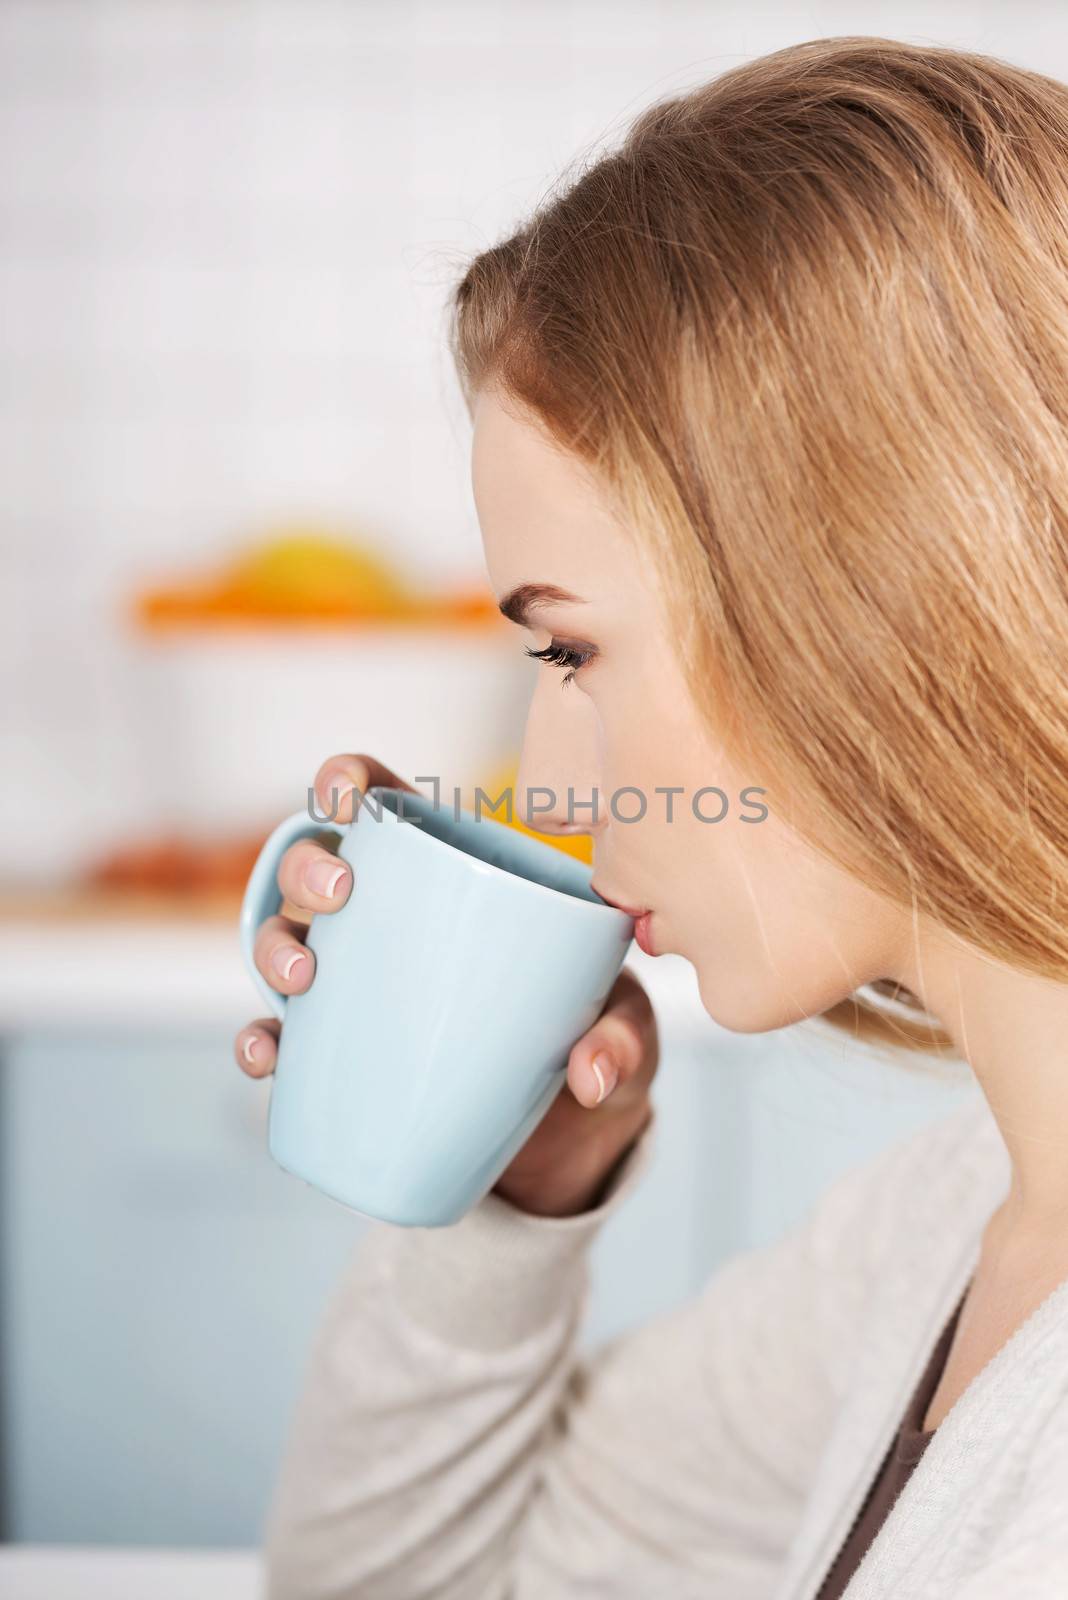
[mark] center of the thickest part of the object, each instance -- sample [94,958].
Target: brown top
[904,1452]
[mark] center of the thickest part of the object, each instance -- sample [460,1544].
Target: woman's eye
[563,655]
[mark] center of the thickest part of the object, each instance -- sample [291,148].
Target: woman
[771,457]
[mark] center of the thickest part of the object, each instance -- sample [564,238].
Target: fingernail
[248,1049]
[283,961]
[607,1074]
[337,788]
[324,876]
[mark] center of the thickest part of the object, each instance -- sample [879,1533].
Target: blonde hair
[809,323]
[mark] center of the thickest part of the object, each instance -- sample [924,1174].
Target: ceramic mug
[448,992]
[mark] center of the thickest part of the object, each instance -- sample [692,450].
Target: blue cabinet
[162,1279]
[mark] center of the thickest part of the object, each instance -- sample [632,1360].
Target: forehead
[542,515]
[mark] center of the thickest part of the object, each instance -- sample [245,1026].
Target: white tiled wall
[227,231]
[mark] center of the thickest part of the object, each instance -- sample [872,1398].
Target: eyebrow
[525,598]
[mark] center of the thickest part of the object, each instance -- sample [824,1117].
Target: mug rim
[598,907]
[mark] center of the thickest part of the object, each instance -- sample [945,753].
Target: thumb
[618,1055]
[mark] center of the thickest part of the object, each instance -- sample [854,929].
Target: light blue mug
[448,992]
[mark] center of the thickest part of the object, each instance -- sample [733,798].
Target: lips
[643,917]
[630,911]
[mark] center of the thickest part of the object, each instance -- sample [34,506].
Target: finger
[281,955]
[621,1051]
[256,1047]
[313,879]
[341,777]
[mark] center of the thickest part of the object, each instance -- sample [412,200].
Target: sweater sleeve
[450,1444]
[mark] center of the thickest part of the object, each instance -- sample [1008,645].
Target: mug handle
[263,896]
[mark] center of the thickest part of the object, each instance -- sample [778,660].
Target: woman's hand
[598,1113]
[313,881]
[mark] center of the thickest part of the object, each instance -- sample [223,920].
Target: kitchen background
[236,534]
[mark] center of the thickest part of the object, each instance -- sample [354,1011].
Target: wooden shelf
[110,905]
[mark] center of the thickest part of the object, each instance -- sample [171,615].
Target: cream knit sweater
[451,1445]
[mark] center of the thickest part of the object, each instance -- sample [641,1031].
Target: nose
[558,781]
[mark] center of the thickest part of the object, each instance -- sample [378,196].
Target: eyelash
[562,655]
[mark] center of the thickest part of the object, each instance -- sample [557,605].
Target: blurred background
[237,535]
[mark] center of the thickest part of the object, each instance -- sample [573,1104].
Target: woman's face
[774,931]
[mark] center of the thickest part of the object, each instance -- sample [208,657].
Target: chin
[743,1009]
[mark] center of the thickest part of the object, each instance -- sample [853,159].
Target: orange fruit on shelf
[305,571]
[305,575]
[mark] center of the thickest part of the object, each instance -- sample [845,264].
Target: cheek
[762,961]
[646,746]
[730,896]
[773,934]
[624,755]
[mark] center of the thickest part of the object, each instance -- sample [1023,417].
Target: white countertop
[181,970]
[70,1572]
[123,971]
